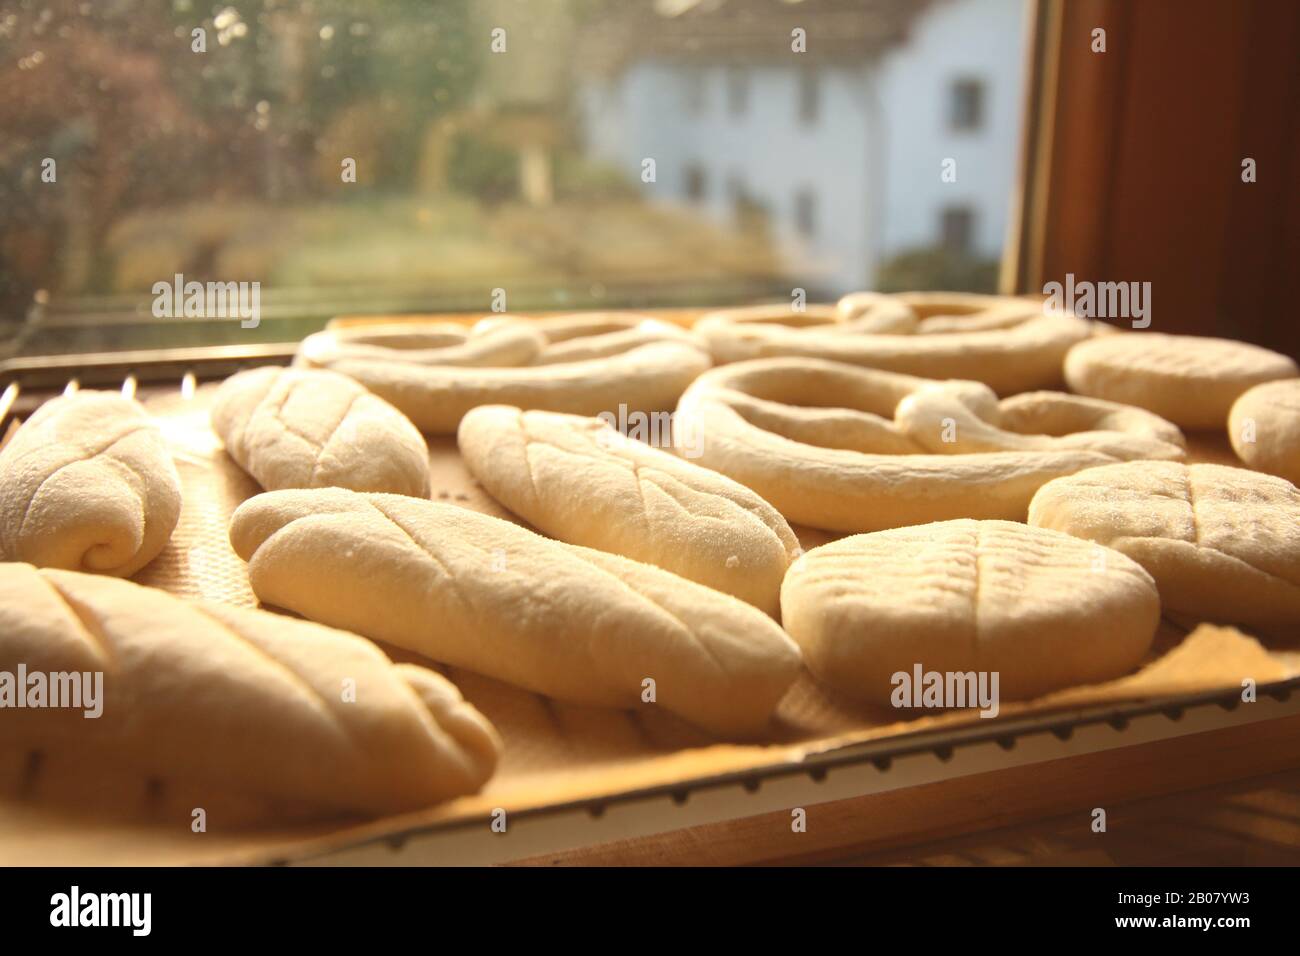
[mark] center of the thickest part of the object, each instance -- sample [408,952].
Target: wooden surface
[1040,813]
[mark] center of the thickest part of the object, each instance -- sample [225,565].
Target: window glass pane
[418,154]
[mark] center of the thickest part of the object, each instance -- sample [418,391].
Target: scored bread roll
[1191,380]
[485,594]
[1041,609]
[309,428]
[87,484]
[199,695]
[1223,544]
[581,481]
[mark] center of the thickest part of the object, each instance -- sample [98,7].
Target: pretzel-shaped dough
[589,335]
[436,373]
[1005,342]
[844,448]
[432,343]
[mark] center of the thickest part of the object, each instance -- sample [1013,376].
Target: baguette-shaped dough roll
[87,484]
[309,428]
[487,595]
[581,481]
[243,700]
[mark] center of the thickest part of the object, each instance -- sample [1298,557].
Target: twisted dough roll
[487,595]
[87,484]
[308,428]
[435,394]
[1264,427]
[1007,343]
[211,696]
[581,481]
[845,448]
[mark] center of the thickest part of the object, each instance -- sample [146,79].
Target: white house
[839,149]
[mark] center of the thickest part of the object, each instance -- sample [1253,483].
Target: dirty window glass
[417,155]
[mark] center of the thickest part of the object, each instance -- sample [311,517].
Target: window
[805,213]
[380,158]
[809,96]
[697,183]
[737,91]
[693,91]
[957,229]
[966,107]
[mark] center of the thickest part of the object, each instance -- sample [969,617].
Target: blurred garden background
[518,167]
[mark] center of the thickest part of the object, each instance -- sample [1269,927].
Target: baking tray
[573,779]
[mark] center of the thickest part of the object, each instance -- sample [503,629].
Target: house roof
[742,30]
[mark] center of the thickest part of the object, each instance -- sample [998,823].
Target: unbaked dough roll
[210,697]
[485,594]
[646,378]
[758,331]
[1042,609]
[1007,343]
[1264,427]
[591,335]
[428,343]
[1223,544]
[581,481]
[1188,379]
[847,448]
[87,484]
[309,428]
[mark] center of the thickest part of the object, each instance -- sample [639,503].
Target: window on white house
[966,105]
[693,91]
[697,183]
[737,91]
[957,228]
[809,96]
[805,213]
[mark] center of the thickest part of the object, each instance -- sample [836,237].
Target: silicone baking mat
[555,753]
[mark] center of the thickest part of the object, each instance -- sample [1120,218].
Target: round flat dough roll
[1264,427]
[1042,609]
[1188,379]
[1223,544]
